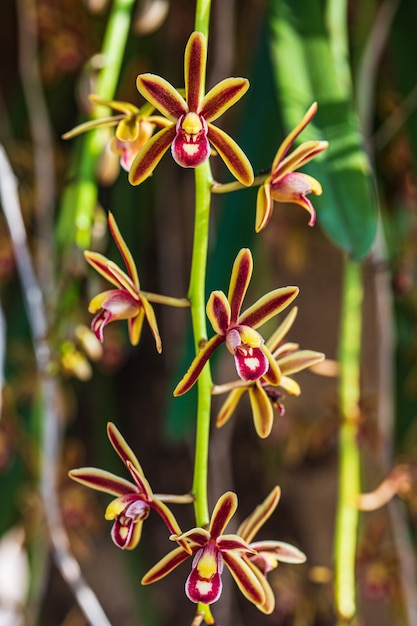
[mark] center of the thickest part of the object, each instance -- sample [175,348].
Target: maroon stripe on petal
[197,365]
[102,481]
[239,281]
[232,155]
[269,305]
[150,155]
[244,577]
[194,70]
[165,566]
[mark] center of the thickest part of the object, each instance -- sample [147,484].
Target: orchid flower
[264,397]
[212,549]
[134,499]
[190,131]
[267,553]
[285,184]
[127,301]
[253,358]
[134,127]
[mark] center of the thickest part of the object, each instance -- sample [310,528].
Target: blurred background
[50,53]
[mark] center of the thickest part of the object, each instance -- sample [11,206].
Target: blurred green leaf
[306,70]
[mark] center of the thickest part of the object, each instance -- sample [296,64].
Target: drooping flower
[237,330]
[190,130]
[127,301]
[262,395]
[134,499]
[285,184]
[267,553]
[212,549]
[133,127]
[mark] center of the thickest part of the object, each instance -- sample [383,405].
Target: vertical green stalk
[349,462]
[197,296]
[84,197]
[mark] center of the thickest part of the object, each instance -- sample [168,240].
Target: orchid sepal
[101,480]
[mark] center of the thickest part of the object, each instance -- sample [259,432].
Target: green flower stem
[349,461]
[202,16]
[84,197]
[236,185]
[197,297]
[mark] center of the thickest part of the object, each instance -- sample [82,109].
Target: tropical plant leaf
[305,70]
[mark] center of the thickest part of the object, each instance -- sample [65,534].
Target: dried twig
[51,438]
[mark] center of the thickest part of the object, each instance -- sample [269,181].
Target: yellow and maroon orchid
[190,131]
[285,184]
[267,553]
[134,499]
[127,301]
[263,396]
[253,359]
[212,549]
[134,127]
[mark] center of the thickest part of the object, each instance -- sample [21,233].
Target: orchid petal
[124,280]
[95,303]
[273,373]
[244,577]
[233,156]
[168,517]
[195,70]
[128,128]
[117,105]
[264,206]
[162,95]
[262,411]
[126,536]
[290,385]
[101,264]
[275,339]
[91,124]
[197,365]
[122,448]
[229,406]
[289,140]
[284,552]
[101,480]
[198,537]
[204,583]
[224,510]
[135,325]
[218,312]
[124,251]
[268,605]
[142,485]
[269,305]
[151,319]
[294,187]
[168,563]
[251,366]
[233,542]
[301,155]
[250,526]
[300,360]
[239,282]
[222,96]
[152,152]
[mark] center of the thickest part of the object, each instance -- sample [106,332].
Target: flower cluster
[185,124]
[248,561]
[237,330]
[263,396]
